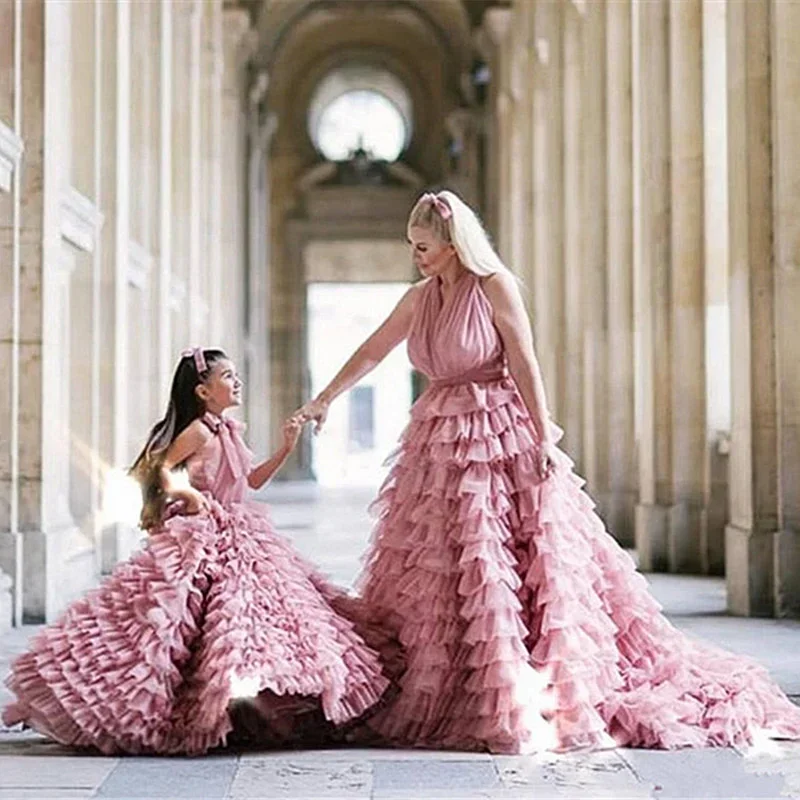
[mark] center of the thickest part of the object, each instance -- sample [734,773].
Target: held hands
[313,411]
[292,429]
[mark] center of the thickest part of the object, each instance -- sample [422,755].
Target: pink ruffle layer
[526,625]
[149,662]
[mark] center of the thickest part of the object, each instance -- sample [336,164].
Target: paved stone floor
[332,528]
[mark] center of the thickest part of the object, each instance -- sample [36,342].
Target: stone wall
[646,162]
[121,206]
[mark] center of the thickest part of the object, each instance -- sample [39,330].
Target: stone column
[233,164]
[595,256]
[754,481]
[27,542]
[218,288]
[141,343]
[261,129]
[622,478]
[717,303]
[12,345]
[651,232]
[687,283]
[463,126]
[786,192]
[520,255]
[198,257]
[163,241]
[570,340]
[498,25]
[548,205]
[182,150]
[115,171]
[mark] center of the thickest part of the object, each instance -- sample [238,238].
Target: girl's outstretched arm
[264,472]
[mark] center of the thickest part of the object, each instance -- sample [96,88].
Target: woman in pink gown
[216,606]
[525,624]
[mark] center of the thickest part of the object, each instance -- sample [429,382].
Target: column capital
[236,31]
[497,22]
[579,6]
[258,87]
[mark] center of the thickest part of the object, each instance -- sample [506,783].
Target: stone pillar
[163,240]
[520,255]
[498,25]
[463,176]
[117,538]
[651,232]
[261,400]
[233,165]
[622,478]
[570,340]
[687,283]
[13,347]
[754,486]
[786,192]
[548,205]
[595,256]
[142,380]
[197,265]
[717,301]
[182,150]
[217,288]
[26,544]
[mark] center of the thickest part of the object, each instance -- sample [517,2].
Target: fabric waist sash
[476,376]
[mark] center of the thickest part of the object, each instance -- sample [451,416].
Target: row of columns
[125,238]
[646,155]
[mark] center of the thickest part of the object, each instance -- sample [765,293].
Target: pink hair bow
[441,205]
[199,359]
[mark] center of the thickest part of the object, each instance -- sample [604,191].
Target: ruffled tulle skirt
[216,621]
[525,625]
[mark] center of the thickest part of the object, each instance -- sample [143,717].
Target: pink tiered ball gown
[526,626]
[216,605]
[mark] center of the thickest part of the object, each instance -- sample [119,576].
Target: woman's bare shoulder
[500,287]
[414,292]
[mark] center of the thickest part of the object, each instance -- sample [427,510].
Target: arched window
[360,108]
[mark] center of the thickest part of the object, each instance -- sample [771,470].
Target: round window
[360,108]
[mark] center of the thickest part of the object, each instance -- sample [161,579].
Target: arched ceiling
[427,44]
[447,20]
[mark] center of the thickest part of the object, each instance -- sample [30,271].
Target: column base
[787,573]
[621,516]
[652,537]
[712,544]
[686,526]
[749,571]
[6,603]
[10,562]
[119,542]
[58,566]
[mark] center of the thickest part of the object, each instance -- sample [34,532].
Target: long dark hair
[184,407]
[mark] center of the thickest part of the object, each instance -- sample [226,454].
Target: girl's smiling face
[222,388]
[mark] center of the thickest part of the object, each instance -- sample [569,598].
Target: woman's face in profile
[429,253]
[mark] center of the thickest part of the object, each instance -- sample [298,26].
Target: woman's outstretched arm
[392,331]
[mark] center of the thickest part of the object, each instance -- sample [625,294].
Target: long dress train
[525,624]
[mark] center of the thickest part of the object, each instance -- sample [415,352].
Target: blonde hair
[461,228]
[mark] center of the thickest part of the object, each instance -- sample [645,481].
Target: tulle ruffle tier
[216,606]
[525,625]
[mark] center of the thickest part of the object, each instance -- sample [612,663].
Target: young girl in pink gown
[525,624]
[216,605]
